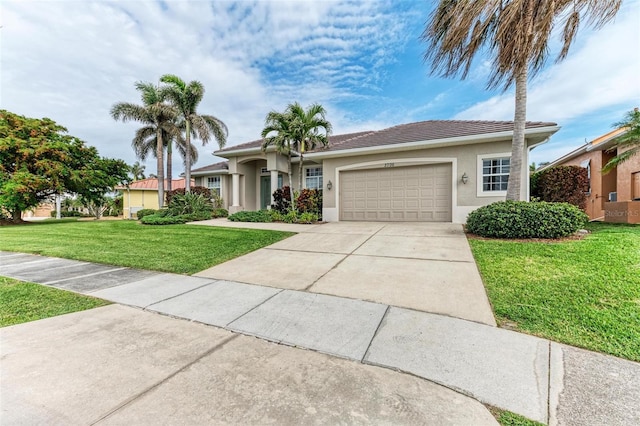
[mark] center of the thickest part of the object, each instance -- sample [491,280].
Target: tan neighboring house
[426,171]
[143,194]
[43,209]
[615,196]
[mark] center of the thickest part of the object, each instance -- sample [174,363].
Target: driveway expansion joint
[140,394]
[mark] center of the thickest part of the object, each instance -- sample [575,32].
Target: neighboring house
[427,171]
[143,194]
[42,210]
[615,196]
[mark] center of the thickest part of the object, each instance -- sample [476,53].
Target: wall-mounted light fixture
[465,178]
[329,185]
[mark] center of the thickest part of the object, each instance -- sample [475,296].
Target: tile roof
[429,130]
[151,184]
[410,132]
[223,165]
[333,139]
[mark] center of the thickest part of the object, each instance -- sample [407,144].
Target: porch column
[274,183]
[235,183]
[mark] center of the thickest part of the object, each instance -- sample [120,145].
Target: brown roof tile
[429,130]
[411,132]
[223,165]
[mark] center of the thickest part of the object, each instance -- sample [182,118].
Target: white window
[313,178]
[213,183]
[587,165]
[493,174]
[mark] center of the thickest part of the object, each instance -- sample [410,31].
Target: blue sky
[72,60]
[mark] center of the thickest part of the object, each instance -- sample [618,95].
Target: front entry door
[265,192]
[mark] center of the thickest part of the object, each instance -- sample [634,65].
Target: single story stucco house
[427,171]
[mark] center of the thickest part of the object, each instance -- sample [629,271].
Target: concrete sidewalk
[533,377]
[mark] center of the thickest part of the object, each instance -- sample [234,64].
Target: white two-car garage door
[402,194]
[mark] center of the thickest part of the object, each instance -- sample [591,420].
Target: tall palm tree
[186,98]
[137,170]
[157,116]
[516,33]
[628,143]
[145,142]
[305,126]
[277,133]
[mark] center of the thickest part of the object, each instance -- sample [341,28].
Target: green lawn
[23,302]
[183,249]
[584,293]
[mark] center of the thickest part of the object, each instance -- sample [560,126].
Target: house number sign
[389,164]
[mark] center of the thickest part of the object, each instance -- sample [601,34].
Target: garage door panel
[415,193]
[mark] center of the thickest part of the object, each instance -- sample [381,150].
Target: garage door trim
[403,162]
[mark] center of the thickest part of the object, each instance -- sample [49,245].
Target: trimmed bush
[155,219]
[145,212]
[249,216]
[521,219]
[562,184]
[282,200]
[219,213]
[69,213]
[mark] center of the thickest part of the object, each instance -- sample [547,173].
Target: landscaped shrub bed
[250,216]
[69,213]
[183,208]
[145,212]
[520,219]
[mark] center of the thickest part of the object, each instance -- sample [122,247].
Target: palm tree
[516,33]
[277,133]
[628,143]
[185,98]
[145,142]
[137,170]
[305,127]
[158,117]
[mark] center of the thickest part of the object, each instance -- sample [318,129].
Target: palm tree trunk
[300,168]
[289,171]
[169,164]
[187,160]
[160,164]
[517,146]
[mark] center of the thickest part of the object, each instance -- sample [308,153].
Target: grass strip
[22,302]
[584,293]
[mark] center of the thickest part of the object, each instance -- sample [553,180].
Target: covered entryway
[402,194]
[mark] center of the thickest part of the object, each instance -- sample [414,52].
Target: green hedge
[71,213]
[521,219]
[249,216]
[145,212]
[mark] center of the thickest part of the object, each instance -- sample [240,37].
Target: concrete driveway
[423,266]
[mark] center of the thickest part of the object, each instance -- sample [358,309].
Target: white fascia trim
[460,140]
[566,157]
[212,172]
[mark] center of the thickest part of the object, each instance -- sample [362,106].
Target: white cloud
[601,73]
[72,61]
